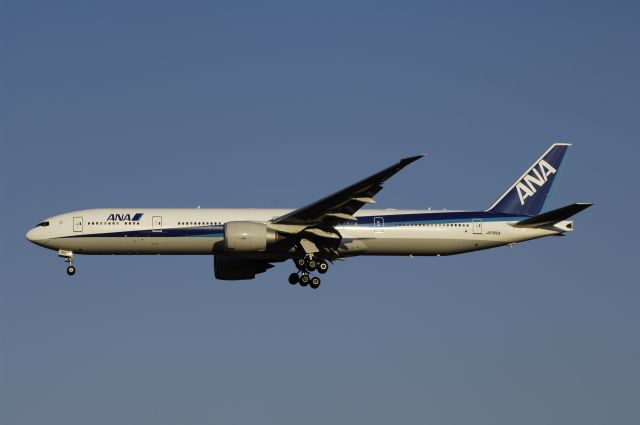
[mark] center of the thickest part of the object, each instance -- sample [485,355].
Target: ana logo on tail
[526,188]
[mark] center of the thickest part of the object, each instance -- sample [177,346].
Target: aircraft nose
[37,236]
[31,235]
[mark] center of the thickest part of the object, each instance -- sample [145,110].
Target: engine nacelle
[248,236]
[230,268]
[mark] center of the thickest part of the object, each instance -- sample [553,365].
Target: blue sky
[276,104]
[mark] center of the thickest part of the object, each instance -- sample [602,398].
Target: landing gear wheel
[311,265]
[323,266]
[315,282]
[71,270]
[304,280]
[293,278]
[301,263]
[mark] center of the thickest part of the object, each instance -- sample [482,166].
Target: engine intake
[248,236]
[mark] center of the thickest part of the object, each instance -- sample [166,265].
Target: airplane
[246,242]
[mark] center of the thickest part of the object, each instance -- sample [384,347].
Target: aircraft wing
[340,206]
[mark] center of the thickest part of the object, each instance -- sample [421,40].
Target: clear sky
[240,104]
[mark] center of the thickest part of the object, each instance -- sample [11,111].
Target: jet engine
[248,236]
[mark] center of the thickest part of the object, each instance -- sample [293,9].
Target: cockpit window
[43,224]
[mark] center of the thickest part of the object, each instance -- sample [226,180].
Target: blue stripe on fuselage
[438,217]
[203,231]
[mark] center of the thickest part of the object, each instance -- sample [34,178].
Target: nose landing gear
[68,258]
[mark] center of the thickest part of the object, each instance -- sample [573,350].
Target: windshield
[43,224]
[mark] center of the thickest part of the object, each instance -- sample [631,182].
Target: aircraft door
[477,226]
[77,224]
[378,224]
[156,224]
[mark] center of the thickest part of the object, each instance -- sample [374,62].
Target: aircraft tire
[315,282]
[293,278]
[71,270]
[323,266]
[304,280]
[301,263]
[311,265]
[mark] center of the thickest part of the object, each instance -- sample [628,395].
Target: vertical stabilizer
[528,194]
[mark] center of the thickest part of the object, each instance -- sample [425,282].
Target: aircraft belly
[431,246]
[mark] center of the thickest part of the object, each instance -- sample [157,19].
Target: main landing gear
[306,266]
[68,258]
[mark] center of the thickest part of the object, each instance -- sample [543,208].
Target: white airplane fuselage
[197,231]
[244,242]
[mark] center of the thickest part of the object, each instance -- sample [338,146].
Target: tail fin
[528,194]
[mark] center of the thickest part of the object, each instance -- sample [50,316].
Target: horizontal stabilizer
[554,216]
